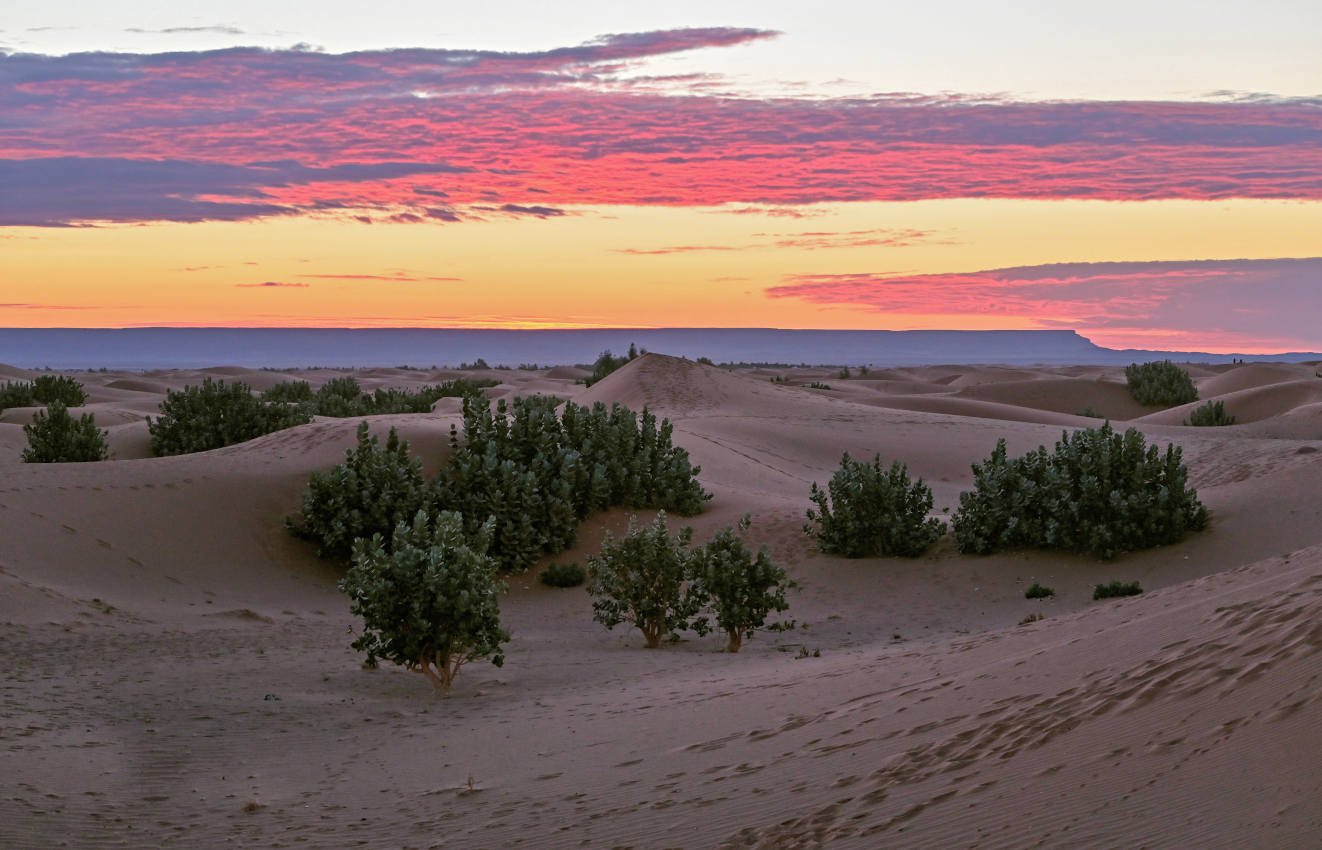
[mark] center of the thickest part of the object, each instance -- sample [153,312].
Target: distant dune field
[179,675]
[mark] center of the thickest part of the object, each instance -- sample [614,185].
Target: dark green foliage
[429,599]
[563,575]
[201,418]
[1099,492]
[739,588]
[872,511]
[706,361]
[1160,383]
[344,398]
[16,394]
[1037,591]
[606,364]
[845,374]
[1211,414]
[1090,413]
[642,580]
[289,392]
[779,379]
[818,385]
[47,389]
[56,437]
[537,475]
[370,493]
[1116,588]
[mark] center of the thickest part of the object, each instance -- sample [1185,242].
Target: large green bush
[370,493]
[1098,492]
[739,588]
[16,394]
[47,389]
[213,415]
[1160,383]
[54,436]
[429,599]
[642,580]
[1212,414]
[867,510]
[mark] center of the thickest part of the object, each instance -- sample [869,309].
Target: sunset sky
[1149,174]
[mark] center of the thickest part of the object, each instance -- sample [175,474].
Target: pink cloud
[419,135]
[273,284]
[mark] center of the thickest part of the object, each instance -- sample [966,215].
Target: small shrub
[1090,413]
[54,436]
[374,490]
[845,374]
[1209,415]
[214,415]
[428,600]
[739,588]
[606,364]
[642,580]
[1030,618]
[706,361]
[1116,588]
[870,511]
[1037,591]
[818,385]
[1099,492]
[780,379]
[1160,383]
[563,575]
[16,394]
[47,389]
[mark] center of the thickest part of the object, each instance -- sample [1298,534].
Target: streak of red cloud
[273,284]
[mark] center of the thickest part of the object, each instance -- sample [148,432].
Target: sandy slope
[178,670]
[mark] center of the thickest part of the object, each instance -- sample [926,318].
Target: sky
[1148,174]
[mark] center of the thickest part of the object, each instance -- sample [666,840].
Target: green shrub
[213,415]
[1090,413]
[429,600]
[643,580]
[1099,492]
[606,364]
[871,511]
[54,436]
[1037,591]
[845,374]
[563,575]
[16,394]
[818,385]
[47,389]
[344,398]
[374,490]
[1211,414]
[289,392]
[1160,383]
[1116,588]
[740,589]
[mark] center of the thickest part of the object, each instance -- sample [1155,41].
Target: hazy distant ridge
[158,348]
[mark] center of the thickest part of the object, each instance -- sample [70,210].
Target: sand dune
[179,671]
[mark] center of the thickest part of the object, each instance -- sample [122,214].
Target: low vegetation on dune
[608,363]
[54,436]
[1116,589]
[44,390]
[1212,414]
[343,397]
[216,414]
[867,510]
[1160,383]
[1099,492]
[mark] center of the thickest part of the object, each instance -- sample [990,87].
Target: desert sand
[178,671]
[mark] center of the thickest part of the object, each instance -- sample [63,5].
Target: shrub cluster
[1099,492]
[344,398]
[1160,383]
[54,436]
[867,510]
[1037,591]
[606,364]
[532,474]
[16,394]
[1116,589]
[652,580]
[214,415]
[429,599]
[44,390]
[1211,414]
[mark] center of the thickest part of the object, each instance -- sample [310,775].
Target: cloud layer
[1224,299]
[439,135]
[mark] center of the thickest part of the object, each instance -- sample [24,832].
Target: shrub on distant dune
[1099,492]
[740,588]
[868,511]
[606,364]
[54,436]
[52,388]
[289,392]
[16,394]
[213,415]
[374,490]
[1210,415]
[1116,589]
[428,599]
[1160,383]
[1037,591]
